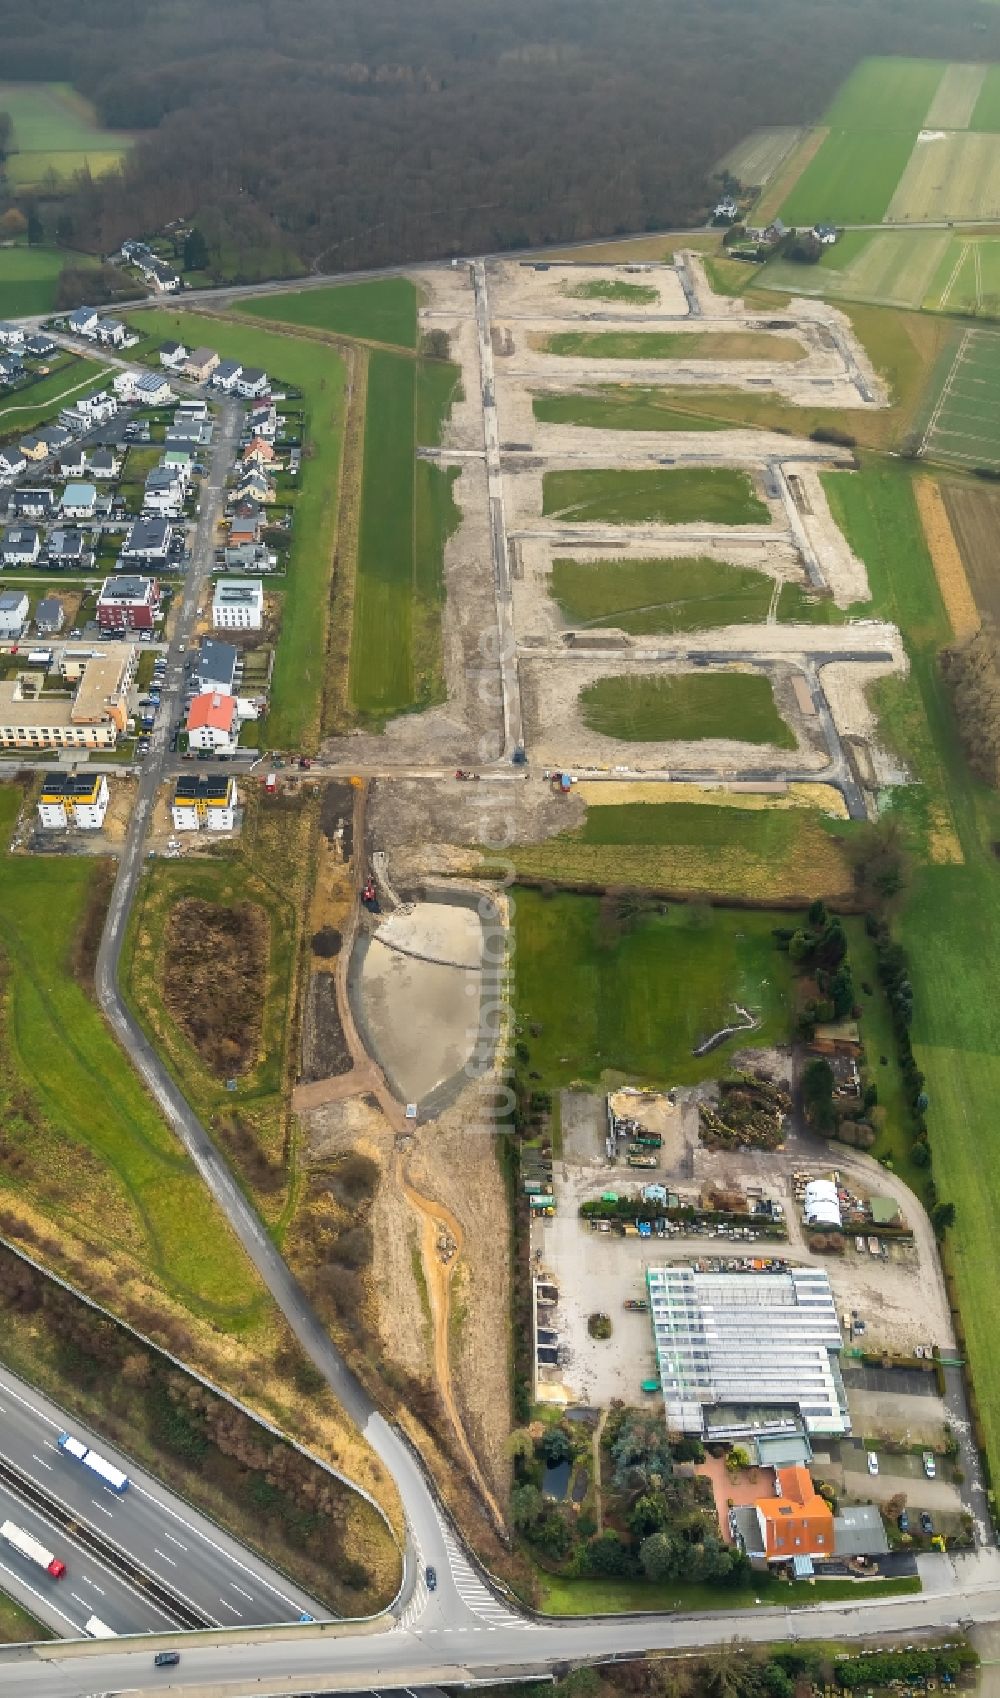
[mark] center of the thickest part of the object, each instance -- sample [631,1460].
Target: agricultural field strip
[968,404]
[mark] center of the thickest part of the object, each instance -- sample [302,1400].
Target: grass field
[41,401]
[438,386]
[382,679]
[93,1150]
[951,922]
[384,310]
[56,129]
[755,160]
[300,659]
[885,94]
[640,595]
[28,278]
[986,112]
[673,345]
[888,267]
[949,175]
[715,494]
[956,97]
[964,426]
[612,289]
[712,850]
[619,407]
[638,996]
[852,178]
[690,707]
[967,279]
[563,1597]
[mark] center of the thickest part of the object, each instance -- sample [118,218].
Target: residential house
[163,278]
[50,616]
[178,460]
[148,541]
[11,368]
[251,382]
[32,502]
[38,345]
[250,557]
[204,804]
[11,335]
[83,322]
[262,421]
[79,501]
[13,613]
[144,388]
[215,668]
[21,546]
[128,602]
[111,332]
[72,460]
[55,436]
[173,355]
[65,548]
[34,447]
[103,463]
[226,375]
[69,798]
[191,411]
[825,233]
[12,464]
[92,410]
[201,364]
[136,252]
[164,492]
[254,485]
[261,453]
[188,434]
[212,723]
[244,524]
[795,1522]
[238,605]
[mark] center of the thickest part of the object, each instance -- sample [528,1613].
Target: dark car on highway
[432,1580]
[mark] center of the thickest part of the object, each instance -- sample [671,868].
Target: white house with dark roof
[21,545]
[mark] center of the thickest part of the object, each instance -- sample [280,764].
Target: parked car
[930,1466]
[926,1524]
[872,1462]
[903,1521]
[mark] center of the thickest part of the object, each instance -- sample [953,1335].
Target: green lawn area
[599,289]
[17,1626]
[775,854]
[885,94]
[717,495]
[382,661]
[42,401]
[618,407]
[300,659]
[56,129]
[951,922]
[438,386]
[28,278]
[986,113]
[384,310]
[640,595]
[637,996]
[94,1151]
[690,707]
[561,1597]
[673,345]
[852,178]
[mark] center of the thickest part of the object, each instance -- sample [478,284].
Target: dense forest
[356,132]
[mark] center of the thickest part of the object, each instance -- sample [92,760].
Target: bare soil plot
[949,569]
[974,512]
[955,98]
[950,174]
[543,289]
[214,980]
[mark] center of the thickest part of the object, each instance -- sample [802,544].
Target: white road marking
[88,1582]
[174,1541]
[42,1463]
[80,1600]
[103,1509]
[43,1599]
[228,1606]
[157,1552]
[239,1589]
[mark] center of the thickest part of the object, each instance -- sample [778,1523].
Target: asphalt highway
[224,1581]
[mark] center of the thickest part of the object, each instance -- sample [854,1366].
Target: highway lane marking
[239,1589]
[42,1463]
[80,1600]
[174,1541]
[232,1607]
[157,1552]
[103,1509]
[88,1582]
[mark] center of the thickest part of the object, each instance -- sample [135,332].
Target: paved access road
[224,1581]
[328,1660]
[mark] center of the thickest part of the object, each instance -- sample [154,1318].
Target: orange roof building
[797,1522]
